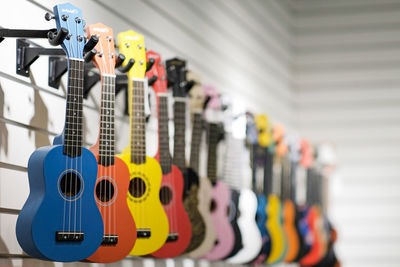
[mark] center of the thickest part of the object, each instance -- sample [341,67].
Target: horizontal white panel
[311,5]
[343,76]
[307,99]
[348,38]
[339,58]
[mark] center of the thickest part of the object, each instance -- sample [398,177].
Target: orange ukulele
[171,191]
[314,217]
[113,174]
[289,208]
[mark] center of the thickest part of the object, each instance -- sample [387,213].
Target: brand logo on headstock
[100,29]
[73,11]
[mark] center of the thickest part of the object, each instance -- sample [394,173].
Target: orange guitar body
[293,244]
[117,217]
[318,248]
[179,223]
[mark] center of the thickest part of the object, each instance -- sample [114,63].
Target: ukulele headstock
[264,130]
[251,129]
[196,94]
[157,70]
[294,148]
[131,45]
[70,17]
[307,154]
[176,74]
[281,146]
[105,57]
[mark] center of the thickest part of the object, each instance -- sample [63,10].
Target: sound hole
[165,195]
[70,184]
[213,205]
[104,190]
[137,187]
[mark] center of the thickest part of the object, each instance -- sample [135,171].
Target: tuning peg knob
[48,16]
[152,80]
[149,64]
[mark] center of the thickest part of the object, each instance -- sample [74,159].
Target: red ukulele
[113,174]
[171,192]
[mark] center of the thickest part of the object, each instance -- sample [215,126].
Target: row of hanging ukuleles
[93,205]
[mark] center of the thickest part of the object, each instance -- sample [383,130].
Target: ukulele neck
[180,132]
[163,134]
[212,152]
[73,120]
[196,140]
[106,138]
[137,121]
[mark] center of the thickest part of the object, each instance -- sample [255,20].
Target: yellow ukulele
[145,172]
[274,207]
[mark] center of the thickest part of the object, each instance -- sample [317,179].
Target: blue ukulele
[60,220]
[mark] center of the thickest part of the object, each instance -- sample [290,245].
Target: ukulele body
[191,203]
[261,219]
[250,235]
[317,249]
[117,218]
[51,208]
[233,216]
[304,244]
[205,196]
[145,206]
[274,226]
[289,224]
[225,237]
[180,231]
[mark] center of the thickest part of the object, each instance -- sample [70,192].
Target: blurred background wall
[325,69]
[346,58]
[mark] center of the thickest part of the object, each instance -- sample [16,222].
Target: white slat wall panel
[347,90]
[242,48]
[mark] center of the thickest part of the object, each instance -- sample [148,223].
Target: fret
[73,117]
[180,132]
[137,121]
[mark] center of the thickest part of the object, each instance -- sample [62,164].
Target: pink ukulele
[221,194]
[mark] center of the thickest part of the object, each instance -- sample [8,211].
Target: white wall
[347,89]
[242,48]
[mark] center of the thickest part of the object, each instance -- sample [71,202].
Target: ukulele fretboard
[163,138]
[138,123]
[106,139]
[179,133]
[196,141]
[213,139]
[73,121]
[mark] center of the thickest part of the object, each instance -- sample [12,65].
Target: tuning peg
[128,66]
[48,16]
[189,85]
[152,80]
[56,38]
[119,60]
[91,43]
[208,98]
[149,64]
[90,55]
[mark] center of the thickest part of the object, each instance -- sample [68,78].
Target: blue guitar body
[48,211]
[261,219]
